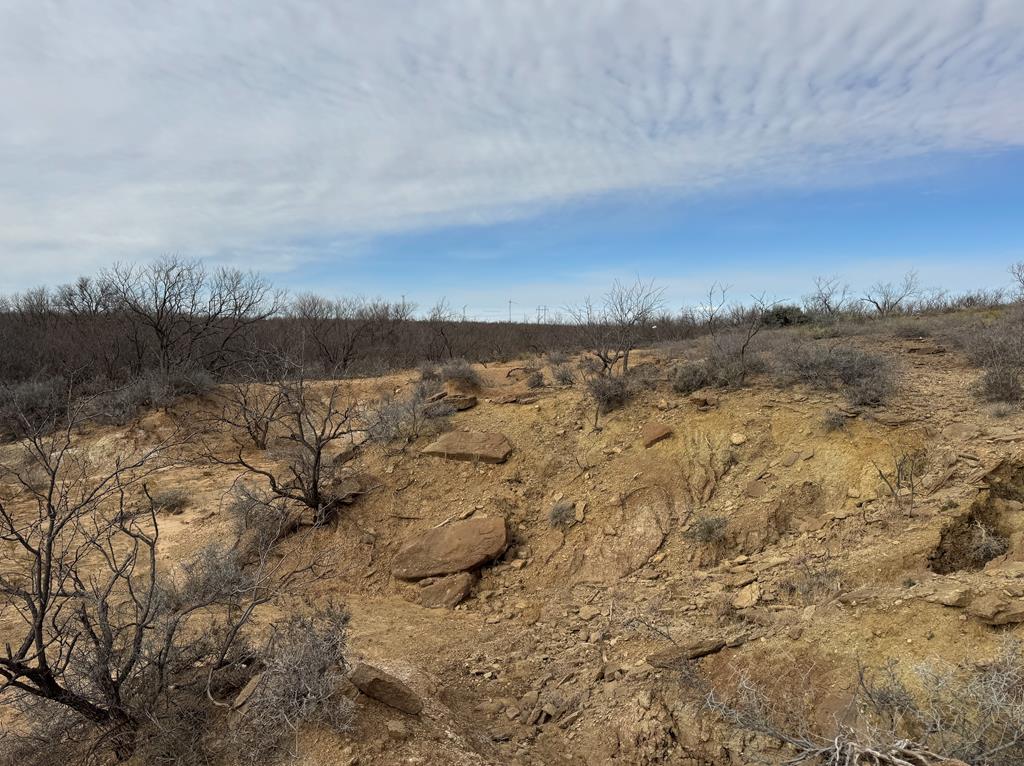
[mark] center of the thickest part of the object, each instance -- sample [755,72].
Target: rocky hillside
[526,589]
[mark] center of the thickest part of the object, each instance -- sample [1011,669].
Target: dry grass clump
[863,377]
[563,375]
[562,514]
[304,666]
[461,373]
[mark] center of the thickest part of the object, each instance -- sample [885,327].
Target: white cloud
[237,129]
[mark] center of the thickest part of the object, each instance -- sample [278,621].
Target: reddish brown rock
[655,432]
[446,593]
[456,547]
[383,687]
[480,446]
[755,488]
[996,609]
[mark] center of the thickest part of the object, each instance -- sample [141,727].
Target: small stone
[737,439]
[747,596]
[397,729]
[755,488]
[655,432]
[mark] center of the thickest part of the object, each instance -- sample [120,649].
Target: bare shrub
[306,421]
[461,373]
[172,501]
[864,378]
[939,713]
[403,420]
[32,405]
[829,299]
[429,372]
[732,330]
[1017,272]
[998,350]
[260,520]
[611,330]
[563,375]
[535,379]
[557,358]
[108,635]
[887,298]
[562,514]
[902,477]
[609,393]
[689,377]
[303,667]
[909,329]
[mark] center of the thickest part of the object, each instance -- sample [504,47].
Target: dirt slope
[547,661]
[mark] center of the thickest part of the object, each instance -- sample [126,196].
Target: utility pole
[510,311]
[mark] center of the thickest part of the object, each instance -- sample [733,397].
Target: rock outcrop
[455,547]
[482,446]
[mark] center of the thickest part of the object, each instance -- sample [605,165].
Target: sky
[530,151]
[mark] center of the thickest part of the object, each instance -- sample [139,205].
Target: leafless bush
[887,298]
[403,420]
[732,330]
[306,421]
[303,669]
[609,393]
[829,299]
[557,358]
[429,372]
[32,405]
[563,375]
[172,501]
[939,713]
[998,350]
[260,520]
[107,634]
[562,514]
[689,377]
[614,328]
[902,477]
[461,373]
[535,379]
[1017,272]
[864,378]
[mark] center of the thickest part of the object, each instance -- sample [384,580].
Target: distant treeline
[175,319]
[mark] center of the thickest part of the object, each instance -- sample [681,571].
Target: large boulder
[455,547]
[480,446]
[384,687]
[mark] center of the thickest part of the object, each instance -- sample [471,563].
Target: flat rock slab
[455,547]
[384,687]
[446,593]
[655,432]
[996,609]
[483,446]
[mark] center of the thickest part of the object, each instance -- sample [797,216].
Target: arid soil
[569,646]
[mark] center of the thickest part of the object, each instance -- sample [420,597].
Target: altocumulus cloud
[240,130]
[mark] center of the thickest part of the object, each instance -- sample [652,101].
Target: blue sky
[516,150]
